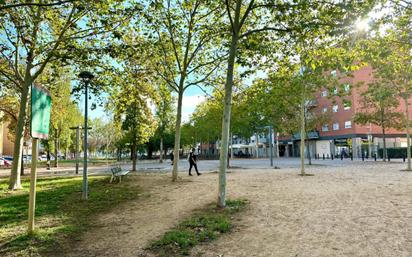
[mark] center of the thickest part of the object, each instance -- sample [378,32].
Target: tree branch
[262,30]
[230,16]
[9,113]
[56,45]
[220,58]
[245,15]
[169,28]
[203,79]
[35,4]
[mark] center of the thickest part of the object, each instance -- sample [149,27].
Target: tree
[53,31]
[379,104]
[64,113]
[164,108]
[130,100]
[390,56]
[282,20]
[138,124]
[189,30]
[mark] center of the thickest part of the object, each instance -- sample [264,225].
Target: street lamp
[85,77]
[270,127]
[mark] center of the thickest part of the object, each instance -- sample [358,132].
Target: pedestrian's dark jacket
[192,158]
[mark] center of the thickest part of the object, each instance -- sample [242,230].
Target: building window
[325,109]
[335,126]
[324,93]
[325,128]
[346,106]
[348,124]
[347,87]
[335,108]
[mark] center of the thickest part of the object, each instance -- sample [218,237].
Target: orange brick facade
[342,135]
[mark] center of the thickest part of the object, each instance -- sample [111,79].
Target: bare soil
[360,210]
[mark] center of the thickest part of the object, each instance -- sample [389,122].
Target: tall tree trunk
[56,152]
[408,135]
[302,135]
[15,182]
[385,153]
[177,129]
[134,157]
[221,199]
[161,150]
[22,161]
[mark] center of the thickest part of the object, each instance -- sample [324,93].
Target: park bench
[117,172]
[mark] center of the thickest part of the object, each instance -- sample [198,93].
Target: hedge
[393,152]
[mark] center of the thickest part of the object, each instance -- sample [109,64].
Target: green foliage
[205,225]
[393,152]
[379,106]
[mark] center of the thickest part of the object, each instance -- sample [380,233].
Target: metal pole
[85,186]
[270,146]
[33,177]
[77,148]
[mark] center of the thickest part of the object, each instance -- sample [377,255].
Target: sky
[193,96]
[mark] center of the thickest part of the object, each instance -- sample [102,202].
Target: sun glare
[362,25]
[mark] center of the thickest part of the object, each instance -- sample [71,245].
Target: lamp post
[86,78]
[270,127]
[270,146]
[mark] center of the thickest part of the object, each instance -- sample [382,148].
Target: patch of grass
[205,225]
[60,212]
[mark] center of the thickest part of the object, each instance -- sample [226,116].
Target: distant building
[342,135]
[6,145]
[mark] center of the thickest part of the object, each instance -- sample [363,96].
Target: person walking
[171,157]
[193,162]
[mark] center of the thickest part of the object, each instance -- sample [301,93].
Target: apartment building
[6,145]
[342,135]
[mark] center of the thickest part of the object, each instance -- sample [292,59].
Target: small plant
[206,225]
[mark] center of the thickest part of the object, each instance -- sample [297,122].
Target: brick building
[341,135]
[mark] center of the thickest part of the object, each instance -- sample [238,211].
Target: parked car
[4,162]
[9,158]
[43,157]
[27,158]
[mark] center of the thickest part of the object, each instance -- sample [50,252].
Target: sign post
[40,121]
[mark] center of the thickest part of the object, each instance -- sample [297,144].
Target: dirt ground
[358,210]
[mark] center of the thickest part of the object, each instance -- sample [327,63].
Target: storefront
[342,146]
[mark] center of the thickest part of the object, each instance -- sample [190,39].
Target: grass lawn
[205,225]
[61,216]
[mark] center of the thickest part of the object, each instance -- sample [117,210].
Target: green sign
[40,112]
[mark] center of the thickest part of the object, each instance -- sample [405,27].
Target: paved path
[203,165]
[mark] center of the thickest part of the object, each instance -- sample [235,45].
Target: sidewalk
[203,165]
